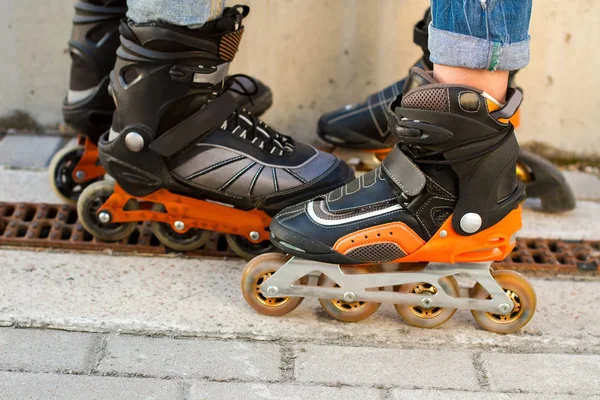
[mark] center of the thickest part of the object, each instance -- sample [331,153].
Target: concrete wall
[318,55]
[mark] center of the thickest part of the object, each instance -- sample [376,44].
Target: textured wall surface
[318,55]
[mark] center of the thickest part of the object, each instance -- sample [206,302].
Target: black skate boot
[183,151]
[359,135]
[447,195]
[88,108]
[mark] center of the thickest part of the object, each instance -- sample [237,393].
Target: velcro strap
[403,172]
[195,126]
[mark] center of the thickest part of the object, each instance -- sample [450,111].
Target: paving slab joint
[288,363]
[97,352]
[185,390]
[482,375]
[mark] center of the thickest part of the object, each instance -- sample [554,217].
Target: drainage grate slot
[9,211]
[51,213]
[134,237]
[45,230]
[72,216]
[22,231]
[29,214]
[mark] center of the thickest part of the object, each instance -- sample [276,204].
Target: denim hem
[189,13]
[458,50]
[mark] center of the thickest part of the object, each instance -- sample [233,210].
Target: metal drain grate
[56,226]
[554,256]
[35,225]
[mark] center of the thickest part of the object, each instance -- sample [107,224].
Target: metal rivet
[443,234]
[504,308]
[426,302]
[470,222]
[80,175]
[104,217]
[349,296]
[272,291]
[134,142]
[179,225]
[254,235]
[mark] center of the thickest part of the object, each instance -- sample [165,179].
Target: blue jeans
[190,13]
[482,34]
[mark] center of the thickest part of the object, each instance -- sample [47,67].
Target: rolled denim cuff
[188,13]
[458,50]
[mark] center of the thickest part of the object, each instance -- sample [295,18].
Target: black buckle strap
[195,126]
[403,172]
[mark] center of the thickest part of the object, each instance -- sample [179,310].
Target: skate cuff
[403,172]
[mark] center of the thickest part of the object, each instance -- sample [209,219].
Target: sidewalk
[70,365]
[101,326]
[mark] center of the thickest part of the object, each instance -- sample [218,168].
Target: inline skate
[185,155]
[88,108]
[445,201]
[358,134]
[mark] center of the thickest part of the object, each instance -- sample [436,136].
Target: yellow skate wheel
[90,201]
[258,271]
[519,290]
[191,240]
[347,311]
[246,249]
[422,317]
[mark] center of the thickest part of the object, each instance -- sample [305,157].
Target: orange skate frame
[88,164]
[194,213]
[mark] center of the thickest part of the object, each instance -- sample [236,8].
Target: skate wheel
[422,317]
[256,272]
[61,174]
[246,249]
[90,201]
[519,290]
[342,310]
[191,240]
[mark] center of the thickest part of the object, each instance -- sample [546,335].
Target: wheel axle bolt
[272,291]
[104,217]
[80,175]
[426,302]
[349,297]
[254,235]
[504,308]
[179,225]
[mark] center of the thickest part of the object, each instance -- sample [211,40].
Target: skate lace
[249,127]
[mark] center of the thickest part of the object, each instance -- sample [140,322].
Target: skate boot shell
[88,107]
[185,155]
[358,134]
[445,201]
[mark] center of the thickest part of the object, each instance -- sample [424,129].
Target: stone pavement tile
[400,394]
[25,386]
[189,357]
[229,390]
[46,350]
[376,366]
[543,373]
[29,151]
[584,186]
